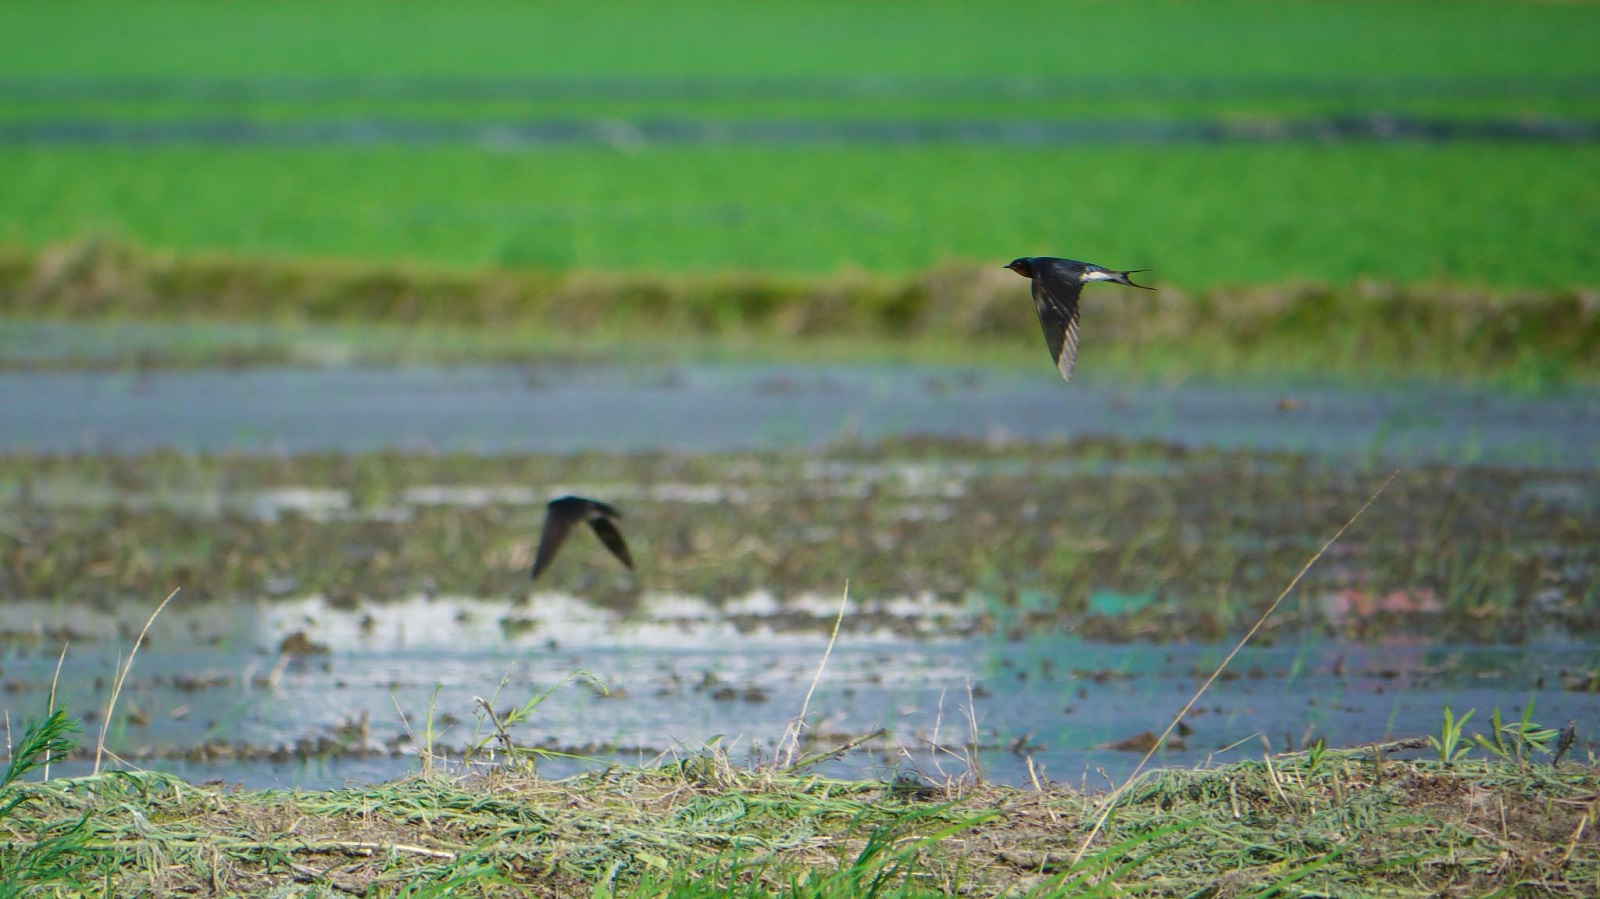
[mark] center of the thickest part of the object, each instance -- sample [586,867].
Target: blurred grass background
[1371,40]
[1505,216]
[1502,216]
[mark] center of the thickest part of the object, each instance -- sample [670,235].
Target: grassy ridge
[1504,216]
[1316,823]
[246,311]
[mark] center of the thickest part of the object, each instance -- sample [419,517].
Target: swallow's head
[1022,266]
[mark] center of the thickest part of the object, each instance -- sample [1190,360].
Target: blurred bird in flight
[563,513]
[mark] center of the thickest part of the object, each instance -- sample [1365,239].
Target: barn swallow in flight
[1056,286]
[564,512]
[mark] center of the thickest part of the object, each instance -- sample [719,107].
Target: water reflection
[489,409]
[213,684]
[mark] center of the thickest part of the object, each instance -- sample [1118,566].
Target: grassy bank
[1318,823]
[368,312]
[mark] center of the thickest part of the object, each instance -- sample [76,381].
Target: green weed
[1513,742]
[1450,745]
[41,850]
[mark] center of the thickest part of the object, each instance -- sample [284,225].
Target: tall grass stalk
[792,738]
[55,679]
[1110,802]
[122,677]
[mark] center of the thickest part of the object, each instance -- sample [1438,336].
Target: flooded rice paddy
[1036,570]
[212,695]
[567,408]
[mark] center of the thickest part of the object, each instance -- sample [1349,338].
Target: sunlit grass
[1324,821]
[1505,216]
[788,38]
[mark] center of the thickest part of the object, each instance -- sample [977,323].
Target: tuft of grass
[515,755]
[1451,745]
[1515,742]
[47,849]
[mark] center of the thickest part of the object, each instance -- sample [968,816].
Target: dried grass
[1518,337]
[1327,823]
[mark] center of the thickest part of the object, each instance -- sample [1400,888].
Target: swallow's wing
[558,521]
[612,538]
[1055,298]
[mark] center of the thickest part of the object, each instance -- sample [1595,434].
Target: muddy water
[678,674]
[365,590]
[726,407]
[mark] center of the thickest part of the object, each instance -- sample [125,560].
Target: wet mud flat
[245,708]
[1013,608]
[1103,538]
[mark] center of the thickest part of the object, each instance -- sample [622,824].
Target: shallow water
[678,674]
[708,407]
[679,670]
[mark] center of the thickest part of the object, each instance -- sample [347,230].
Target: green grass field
[1500,215]
[839,241]
[1099,39]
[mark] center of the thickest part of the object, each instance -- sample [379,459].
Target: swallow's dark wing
[559,518]
[1055,298]
[612,538]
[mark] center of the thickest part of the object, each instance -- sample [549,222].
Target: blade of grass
[1111,801]
[51,707]
[122,676]
[799,723]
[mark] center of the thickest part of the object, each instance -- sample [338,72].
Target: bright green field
[896,59]
[1144,39]
[1502,215]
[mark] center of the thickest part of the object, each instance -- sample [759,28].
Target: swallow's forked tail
[1122,278]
